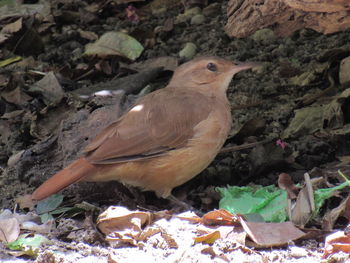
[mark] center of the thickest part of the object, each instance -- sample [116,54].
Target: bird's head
[207,72]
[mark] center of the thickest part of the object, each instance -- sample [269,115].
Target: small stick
[243,146]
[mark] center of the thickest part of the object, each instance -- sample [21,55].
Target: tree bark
[286,16]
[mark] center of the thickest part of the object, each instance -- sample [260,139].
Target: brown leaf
[50,88]
[16,96]
[147,233]
[13,27]
[9,229]
[169,240]
[208,238]
[117,218]
[210,251]
[336,242]
[305,204]
[285,182]
[220,217]
[332,215]
[271,234]
[25,201]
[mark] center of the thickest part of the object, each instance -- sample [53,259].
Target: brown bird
[167,138]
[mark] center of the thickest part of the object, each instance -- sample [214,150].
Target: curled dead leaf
[208,238]
[338,241]
[220,217]
[117,218]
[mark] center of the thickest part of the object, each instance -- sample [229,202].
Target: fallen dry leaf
[50,89]
[16,96]
[13,27]
[305,204]
[25,201]
[271,234]
[336,242]
[285,182]
[208,238]
[169,240]
[210,251]
[220,217]
[9,229]
[122,225]
[332,215]
[118,218]
[147,233]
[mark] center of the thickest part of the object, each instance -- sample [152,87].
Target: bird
[167,137]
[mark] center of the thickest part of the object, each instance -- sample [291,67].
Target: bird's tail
[69,175]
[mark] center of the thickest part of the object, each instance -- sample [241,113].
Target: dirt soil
[264,103]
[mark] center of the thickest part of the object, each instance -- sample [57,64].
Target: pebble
[264,35]
[188,14]
[193,11]
[344,72]
[298,252]
[197,19]
[189,51]
[211,10]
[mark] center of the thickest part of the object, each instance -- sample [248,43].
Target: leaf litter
[21,103]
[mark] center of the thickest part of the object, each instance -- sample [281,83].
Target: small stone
[265,35]
[193,11]
[298,252]
[197,19]
[189,51]
[14,159]
[344,72]
[158,11]
[211,10]
[187,15]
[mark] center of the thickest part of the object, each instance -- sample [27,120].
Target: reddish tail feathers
[71,174]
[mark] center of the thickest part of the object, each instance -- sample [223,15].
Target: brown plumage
[166,139]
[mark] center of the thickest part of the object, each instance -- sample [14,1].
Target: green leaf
[115,44]
[321,195]
[49,204]
[29,245]
[8,61]
[61,210]
[46,217]
[270,202]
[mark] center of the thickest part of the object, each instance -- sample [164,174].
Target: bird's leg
[183,205]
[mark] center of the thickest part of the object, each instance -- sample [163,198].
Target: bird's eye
[212,67]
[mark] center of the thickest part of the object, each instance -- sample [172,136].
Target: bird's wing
[159,122]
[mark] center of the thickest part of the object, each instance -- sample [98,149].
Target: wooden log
[286,16]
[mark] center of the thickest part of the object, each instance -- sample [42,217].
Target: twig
[244,146]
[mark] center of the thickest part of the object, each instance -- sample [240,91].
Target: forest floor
[43,130]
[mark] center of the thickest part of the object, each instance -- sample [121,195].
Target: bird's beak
[240,66]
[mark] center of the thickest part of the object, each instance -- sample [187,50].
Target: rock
[265,35]
[344,72]
[212,10]
[188,14]
[158,11]
[298,252]
[197,19]
[193,11]
[286,16]
[189,51]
